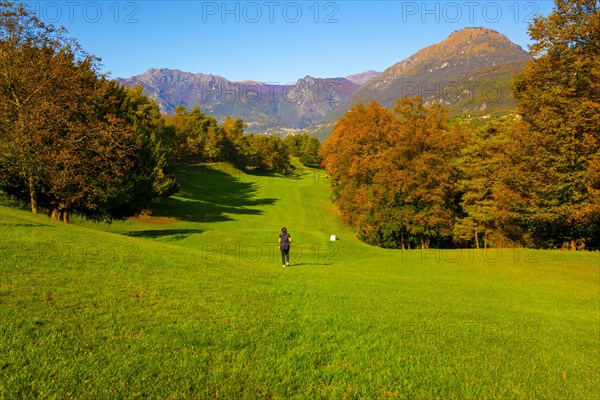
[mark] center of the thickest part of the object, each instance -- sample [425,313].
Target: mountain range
[470,72]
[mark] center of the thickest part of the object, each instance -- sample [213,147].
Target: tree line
[193,135]
[73,141]
[407,178]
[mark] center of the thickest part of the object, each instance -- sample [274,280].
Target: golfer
[284,245]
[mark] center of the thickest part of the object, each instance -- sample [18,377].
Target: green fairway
[192,302]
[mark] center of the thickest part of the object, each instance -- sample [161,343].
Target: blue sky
[274,41]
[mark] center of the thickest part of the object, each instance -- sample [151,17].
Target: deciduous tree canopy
[392,173]
[533,178]
[70,139]
[555,157]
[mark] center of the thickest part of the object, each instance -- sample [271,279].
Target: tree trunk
[33,196]
[65,216]
[60,214]
[476,240]
[573,245]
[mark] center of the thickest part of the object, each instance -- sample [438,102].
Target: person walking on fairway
[284,245]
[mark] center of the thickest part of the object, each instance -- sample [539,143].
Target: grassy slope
[193,303]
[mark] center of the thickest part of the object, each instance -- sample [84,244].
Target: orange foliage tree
[392,173]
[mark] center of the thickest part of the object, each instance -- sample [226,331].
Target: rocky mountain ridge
[261,105]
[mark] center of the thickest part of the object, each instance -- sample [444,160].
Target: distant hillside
[470,72]
[261,105]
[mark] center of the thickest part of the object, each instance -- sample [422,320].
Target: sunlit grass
[192,302]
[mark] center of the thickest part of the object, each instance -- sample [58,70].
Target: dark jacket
[284,241]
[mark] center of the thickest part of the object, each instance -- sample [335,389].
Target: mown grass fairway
[192,302]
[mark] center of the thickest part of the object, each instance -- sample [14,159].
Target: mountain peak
[456,72]
[468,49]
[474,31]
[478,35]
[474,43]
[362,77]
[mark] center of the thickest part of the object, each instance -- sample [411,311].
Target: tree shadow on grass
[304,264]
[211,195]
[255,175]
[177,234]
[25,225]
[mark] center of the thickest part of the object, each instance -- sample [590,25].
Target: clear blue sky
[274,41]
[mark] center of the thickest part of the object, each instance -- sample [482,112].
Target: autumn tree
[480,165]
[154,161]
[198,128]
[305,147]
[266,153]
[200,138]
[232,147]
[423,154]
[358,137]
[194,134]
[310,152]
[33,60]
[392,173]
[72,141]
[554,159]
[293,143]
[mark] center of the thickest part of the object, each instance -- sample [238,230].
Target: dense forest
[408,178]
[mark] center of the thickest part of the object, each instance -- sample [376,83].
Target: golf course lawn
[191,301]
